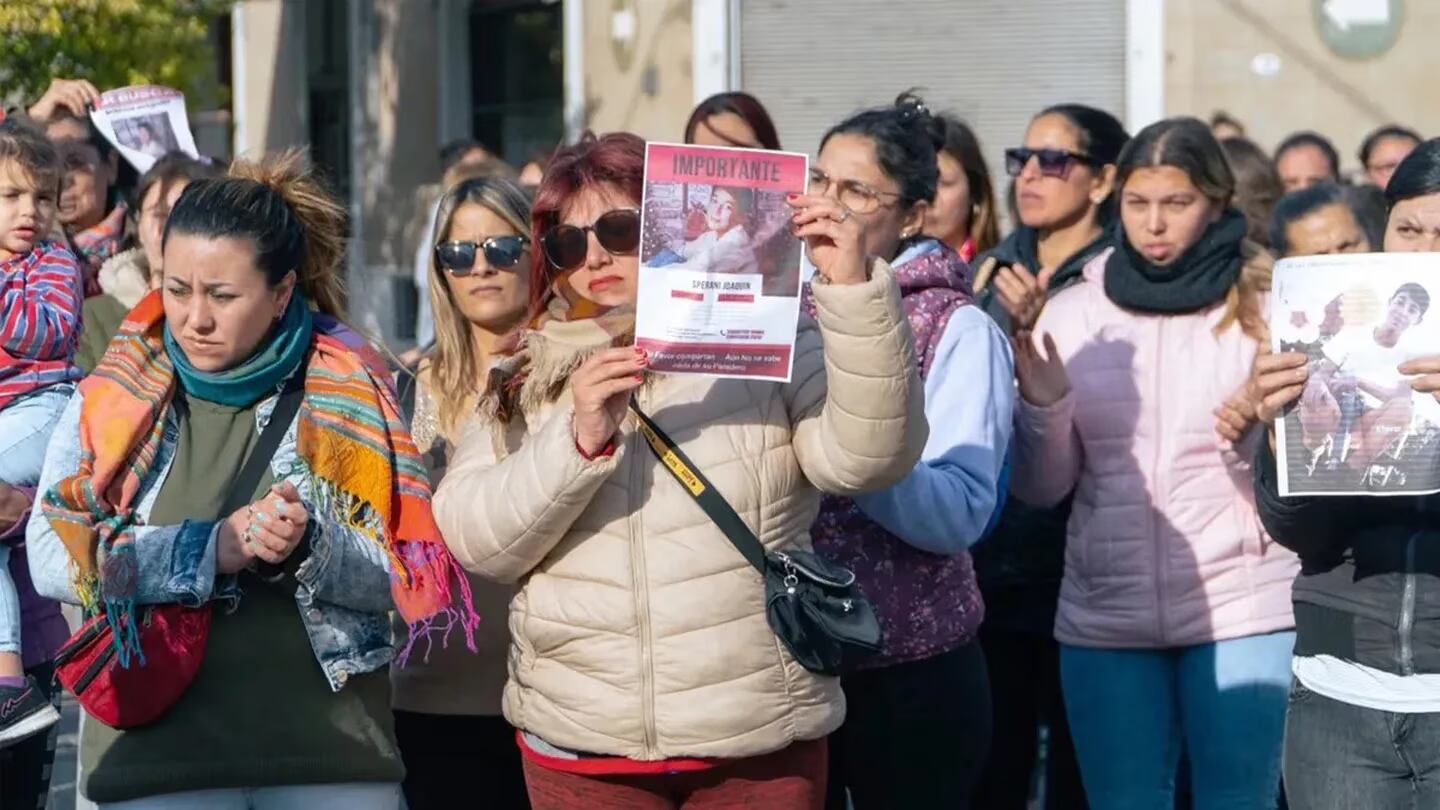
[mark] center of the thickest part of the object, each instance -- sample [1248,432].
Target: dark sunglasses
[501,252]
[617,231]
[1053,162]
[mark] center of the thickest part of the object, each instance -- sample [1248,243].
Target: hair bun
[912,107]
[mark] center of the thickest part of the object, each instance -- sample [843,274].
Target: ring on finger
[844,215]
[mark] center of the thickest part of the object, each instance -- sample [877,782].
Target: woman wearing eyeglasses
[447,701]
[1063,176]
[918,723]
[643,672]
[1174,618]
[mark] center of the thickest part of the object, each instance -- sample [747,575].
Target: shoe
[24,712]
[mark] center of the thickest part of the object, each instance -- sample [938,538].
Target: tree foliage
[113,43]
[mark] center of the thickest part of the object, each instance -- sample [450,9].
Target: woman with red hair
[643,672]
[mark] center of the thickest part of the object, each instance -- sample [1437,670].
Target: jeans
[25,428]
[915,734]
[1339,756]
[354,796]
[1132,711]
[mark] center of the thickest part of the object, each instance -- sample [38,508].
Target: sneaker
[24,712]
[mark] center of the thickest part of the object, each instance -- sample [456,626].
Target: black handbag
[814,606]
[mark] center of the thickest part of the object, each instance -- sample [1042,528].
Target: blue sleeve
[948,500]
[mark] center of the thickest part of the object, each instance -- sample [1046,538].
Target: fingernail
[792,196]
[639,377]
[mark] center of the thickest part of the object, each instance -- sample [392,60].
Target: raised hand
[601,388]
[1042,379]
[834,238]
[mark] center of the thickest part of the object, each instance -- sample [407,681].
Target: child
[41,288]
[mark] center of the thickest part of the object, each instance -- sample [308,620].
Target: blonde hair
[280,207]
[455,375]
[1244,302]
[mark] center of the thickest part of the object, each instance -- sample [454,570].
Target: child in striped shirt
[41,296]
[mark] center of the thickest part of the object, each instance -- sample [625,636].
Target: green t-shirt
[260,713]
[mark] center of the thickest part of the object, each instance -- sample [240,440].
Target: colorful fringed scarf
[96,244]
[352,438]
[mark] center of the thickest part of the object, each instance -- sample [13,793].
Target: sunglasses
[1053,162]
[617,231]
[501,252]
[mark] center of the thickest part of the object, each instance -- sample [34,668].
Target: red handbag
[172,645]
[172,637]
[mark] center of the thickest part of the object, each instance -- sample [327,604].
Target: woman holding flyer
[643,670]
[1363,728]
[918,720]
[1174,617]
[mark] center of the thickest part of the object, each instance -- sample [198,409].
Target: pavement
[63,795]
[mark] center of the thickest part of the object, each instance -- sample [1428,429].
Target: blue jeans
[353,796]
[1133,711]
[25,428]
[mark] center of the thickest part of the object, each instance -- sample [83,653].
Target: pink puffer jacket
[1164,547]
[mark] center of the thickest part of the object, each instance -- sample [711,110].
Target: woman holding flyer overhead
[918,723]
[643,670]
[1363,728]
[1174,617]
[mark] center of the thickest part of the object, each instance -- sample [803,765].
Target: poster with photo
[719,267]
[145,123]
[1357,428]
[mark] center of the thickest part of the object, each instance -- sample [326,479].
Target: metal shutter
[995,63]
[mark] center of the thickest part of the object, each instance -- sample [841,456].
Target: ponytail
[280,207]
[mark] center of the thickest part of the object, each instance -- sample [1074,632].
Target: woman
[732,119]
[1063,178]
[447,703]
[963,213]
[1257,186]
[128,275]
[91,212]
[643,672]
[290,706]
[918,715]
[1363,728]
[1174,618]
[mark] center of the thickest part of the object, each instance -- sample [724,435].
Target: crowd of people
[1047,458]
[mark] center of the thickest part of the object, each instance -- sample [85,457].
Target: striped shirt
[40,329]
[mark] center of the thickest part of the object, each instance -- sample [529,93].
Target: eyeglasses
[852,194]
[1053,162]
[501,252]
[617,231]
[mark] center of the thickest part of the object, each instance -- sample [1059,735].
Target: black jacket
[1369,584]
[1020,564]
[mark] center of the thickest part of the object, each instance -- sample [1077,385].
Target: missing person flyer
[1357,428]
[145,123]
[719,266]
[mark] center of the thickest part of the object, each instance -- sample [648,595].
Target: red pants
[792,779]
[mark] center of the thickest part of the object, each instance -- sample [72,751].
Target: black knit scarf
[1199,278]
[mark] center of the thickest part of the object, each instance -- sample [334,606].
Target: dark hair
[903,145]
[23,144]
[1315,139]
[744,197]
[1257,186]
[1417,293]
[1101,136]
[455,151]
[955,138]
[1186,144]
[616,160]
[170,169]
[750,110]
[283,211]
[1418,175]
[1299,204]
[1222,118]
[1367,203]
[1372,140]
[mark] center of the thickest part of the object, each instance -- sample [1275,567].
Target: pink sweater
[1164,545]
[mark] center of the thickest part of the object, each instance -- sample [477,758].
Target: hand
[1237,414]
[268,530]
[1021,295]
[75,95]
[1428,369]
[1043,381]
[834,237]
[601,387]
[1277,380]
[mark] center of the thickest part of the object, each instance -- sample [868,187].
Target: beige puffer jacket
[638,630]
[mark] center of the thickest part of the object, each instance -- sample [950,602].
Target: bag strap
[705,494]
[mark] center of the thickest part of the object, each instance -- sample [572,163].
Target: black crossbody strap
[264,450]
[694,482]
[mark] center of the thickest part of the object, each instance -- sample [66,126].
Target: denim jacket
[342,589]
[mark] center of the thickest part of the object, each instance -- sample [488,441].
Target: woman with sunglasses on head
[447,701]
[1174,617]
[918,719]
[1062,180]
[643,672]
[963,214]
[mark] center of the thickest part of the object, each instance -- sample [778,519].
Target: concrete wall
[269,75]
[645,87]
[1212,46]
